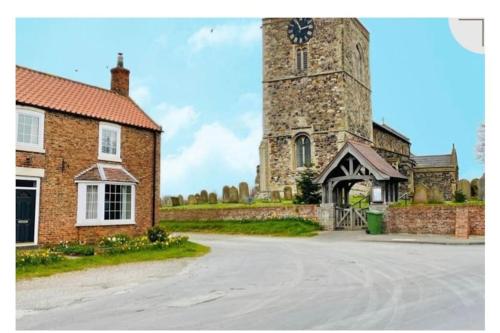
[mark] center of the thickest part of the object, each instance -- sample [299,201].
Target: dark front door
[25,216]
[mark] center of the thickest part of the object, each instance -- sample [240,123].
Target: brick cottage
[87,160]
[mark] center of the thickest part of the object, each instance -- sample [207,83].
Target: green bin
[375,220]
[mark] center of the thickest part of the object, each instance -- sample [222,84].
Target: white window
[109,142]
[29,129]
[103,203]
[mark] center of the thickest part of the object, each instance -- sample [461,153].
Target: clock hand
[297,22]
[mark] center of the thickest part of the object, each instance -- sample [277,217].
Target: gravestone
[420,195]
[166,201]
[181,200]
[275,196]
[464,186]
[244,193]
[435,195]
[192,200]
[233,195]
[287,193]
[481,188]
[175,201]
[225,194]
[203,197]
[197,196]
[212,198]
[474,188]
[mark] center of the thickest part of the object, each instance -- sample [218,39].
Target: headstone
[166,201]
[203,197]
[474,188]
[197,196]
[244,193]
[481,190]
[464,186]
[275,196]
[420,195]
[175,201]
[212,198]
[435,195]
[287,193]
[192,200]
[225,194]
[181,200]
[233,195]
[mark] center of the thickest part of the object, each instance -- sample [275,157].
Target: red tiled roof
[103,172]
[53,92]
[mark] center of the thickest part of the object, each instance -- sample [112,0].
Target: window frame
[298,164]
[106,156]
[100,221]
[301,59]
[40,115]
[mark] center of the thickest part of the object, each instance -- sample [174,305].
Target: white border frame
[110,157]
[37,208]
[100,222]
[40,114]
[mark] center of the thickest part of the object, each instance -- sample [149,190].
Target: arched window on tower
[359,60]
[303,151]
[301,59]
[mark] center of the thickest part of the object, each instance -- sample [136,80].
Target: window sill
[104,224]
[110,158]
[30,149]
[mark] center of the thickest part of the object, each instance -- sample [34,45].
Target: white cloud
[140,94]
[215,150]
[224,34]
[173,118]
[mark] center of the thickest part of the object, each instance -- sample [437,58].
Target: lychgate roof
[56,93]
[368,157]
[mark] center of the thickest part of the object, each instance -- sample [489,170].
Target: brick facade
[71,146]
[309,212]
[461,221]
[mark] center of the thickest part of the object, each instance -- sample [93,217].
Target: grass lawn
[221,205]
[189,249]
[278,227]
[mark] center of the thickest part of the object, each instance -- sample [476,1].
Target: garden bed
[114,250]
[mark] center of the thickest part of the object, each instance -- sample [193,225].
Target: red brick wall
[75,140]
[260,213]
[435,219]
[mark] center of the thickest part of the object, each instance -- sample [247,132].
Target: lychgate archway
[356,162]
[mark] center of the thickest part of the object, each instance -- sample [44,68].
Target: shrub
[459,196]
[36,257]
[308,191]
[157,234]
[74,249]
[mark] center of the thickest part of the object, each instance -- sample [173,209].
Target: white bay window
[105,203]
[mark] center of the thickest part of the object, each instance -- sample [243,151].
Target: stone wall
[435,219]
[309,212]
[444,179]
[74,141]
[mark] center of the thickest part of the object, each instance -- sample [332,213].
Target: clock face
[300,30]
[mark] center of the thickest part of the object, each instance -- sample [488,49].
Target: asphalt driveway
[331,281]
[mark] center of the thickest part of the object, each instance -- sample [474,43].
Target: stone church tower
[316,90]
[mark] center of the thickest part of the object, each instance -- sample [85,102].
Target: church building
[317,106]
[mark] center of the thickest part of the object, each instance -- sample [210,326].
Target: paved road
[325,282]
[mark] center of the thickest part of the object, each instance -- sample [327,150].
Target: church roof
[392,131]
[433,161]
[368,158]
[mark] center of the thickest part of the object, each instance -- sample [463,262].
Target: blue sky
[204,87]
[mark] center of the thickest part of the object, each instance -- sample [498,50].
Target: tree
[480,143]
[308,191]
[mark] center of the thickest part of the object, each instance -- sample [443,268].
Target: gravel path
[332,281]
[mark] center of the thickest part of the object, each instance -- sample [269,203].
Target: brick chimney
[120,77]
